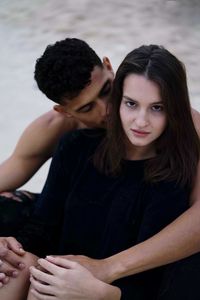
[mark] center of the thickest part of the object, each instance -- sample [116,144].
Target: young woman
[107,191]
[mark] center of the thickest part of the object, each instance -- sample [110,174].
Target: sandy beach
[112,28]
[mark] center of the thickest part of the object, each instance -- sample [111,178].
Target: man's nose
[103,109]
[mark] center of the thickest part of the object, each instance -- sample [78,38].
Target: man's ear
[61,109]
[107,64]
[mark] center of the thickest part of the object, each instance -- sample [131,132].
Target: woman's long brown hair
[178,148]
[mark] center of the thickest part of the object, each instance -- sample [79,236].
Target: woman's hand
[100,268]
[68,280]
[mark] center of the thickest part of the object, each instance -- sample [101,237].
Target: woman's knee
[29,259]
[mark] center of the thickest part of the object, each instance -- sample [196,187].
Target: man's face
[90,106]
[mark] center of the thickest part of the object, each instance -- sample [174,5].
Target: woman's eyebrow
[131,99]
[128,98]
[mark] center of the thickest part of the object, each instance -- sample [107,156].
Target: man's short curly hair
[65,69]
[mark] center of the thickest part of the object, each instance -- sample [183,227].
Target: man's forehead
[90,92]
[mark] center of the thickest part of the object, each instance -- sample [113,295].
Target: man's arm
[178,240]
[39,233]
[34,148]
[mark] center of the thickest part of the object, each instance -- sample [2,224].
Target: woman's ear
[61,109]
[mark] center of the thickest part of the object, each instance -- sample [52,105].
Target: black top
[82,211]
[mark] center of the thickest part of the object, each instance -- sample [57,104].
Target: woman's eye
[130,103]
[157,108]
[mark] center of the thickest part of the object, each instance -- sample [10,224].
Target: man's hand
[100,268]
[18,195]
[11,252]
[10,195]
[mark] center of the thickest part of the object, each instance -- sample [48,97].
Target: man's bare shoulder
[54,120]
[42,135]
[35,146]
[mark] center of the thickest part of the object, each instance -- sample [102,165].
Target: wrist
[114,268]
[125,263]
[108,292]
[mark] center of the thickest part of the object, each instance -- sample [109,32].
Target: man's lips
[140,132]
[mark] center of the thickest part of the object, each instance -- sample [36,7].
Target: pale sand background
[112,27]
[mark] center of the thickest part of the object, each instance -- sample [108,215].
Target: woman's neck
[139,153]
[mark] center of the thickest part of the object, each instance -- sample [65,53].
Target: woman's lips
[140,132]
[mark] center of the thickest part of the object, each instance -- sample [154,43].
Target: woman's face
[142,115]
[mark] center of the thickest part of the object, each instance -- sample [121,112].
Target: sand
[111,27]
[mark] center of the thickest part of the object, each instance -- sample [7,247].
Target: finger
[49,266]
[14,260]
[4,267]
[2,275]
[10,195]
[42,276]
[8,270]
[63,262]
[7,194]
[41,287]
[69,256]
[5,280]
[39,267]
[3,248]
[15,246]
[28,194]
[16,199]
[39,296]
[2,278]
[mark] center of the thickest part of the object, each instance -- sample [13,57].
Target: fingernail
[6,279]
[2,275]
[1,262]
[21,250]
[50,257]
[21,265]
[15,273]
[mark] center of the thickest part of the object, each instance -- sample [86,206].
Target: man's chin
[99,125]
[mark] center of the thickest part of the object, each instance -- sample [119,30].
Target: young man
[70,66]
[84,102]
